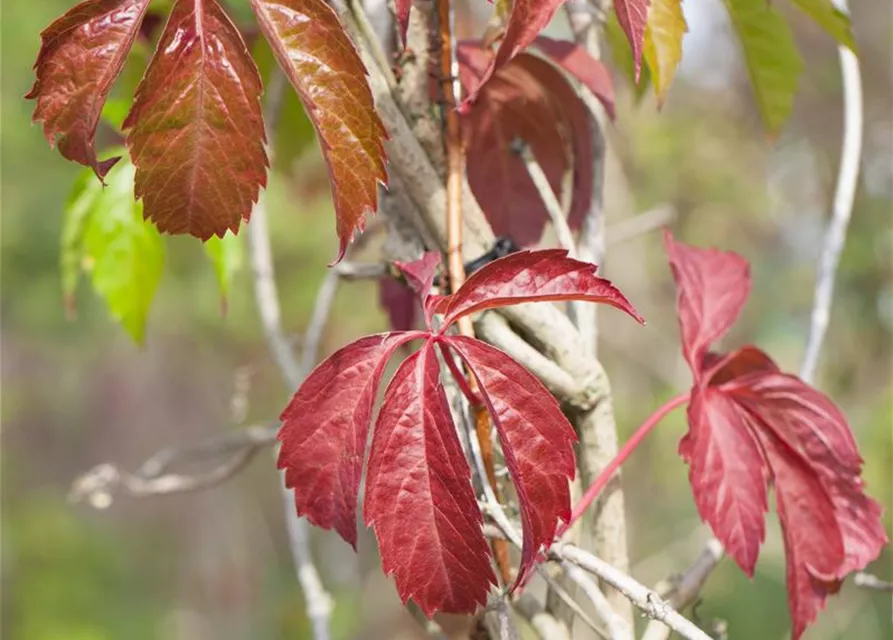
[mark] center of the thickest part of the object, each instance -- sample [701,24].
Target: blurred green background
[216,564]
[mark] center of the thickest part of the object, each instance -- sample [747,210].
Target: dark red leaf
[321,63]
[749,425]
[633,15]
[532,276]
[537,440]
[711,289]
[81,55]
[526,19]
[196,131]
[528,100]
[574,59]
[399,302]
[419,497]
[324,431]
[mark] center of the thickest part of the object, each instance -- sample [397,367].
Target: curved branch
[845,192]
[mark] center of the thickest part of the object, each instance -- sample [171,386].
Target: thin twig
[845,192]
[641,224]
[230,453]
[550,200]
[318,602]
[543,623]
[683,590]
[617,628]
[865,580]
[643,598]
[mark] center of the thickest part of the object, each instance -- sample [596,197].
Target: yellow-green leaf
[104,234]
[772,59]
[834,21]
[226,255]
[663,43]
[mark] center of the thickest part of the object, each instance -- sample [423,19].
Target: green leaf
[227,256]
[773,63]
[829,18]
[104,234]
[663,43]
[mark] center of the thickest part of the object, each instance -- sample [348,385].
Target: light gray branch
[865,580]
[543,623]
[845,193]
[318,602]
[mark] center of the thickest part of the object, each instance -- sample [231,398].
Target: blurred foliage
[216,564]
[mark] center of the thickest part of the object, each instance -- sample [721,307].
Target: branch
[865,580]
[544,624]
[684,590]
[318,602]
[100,485]
[845,192]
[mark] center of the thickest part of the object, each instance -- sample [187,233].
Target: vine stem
[455,168]
[625,451]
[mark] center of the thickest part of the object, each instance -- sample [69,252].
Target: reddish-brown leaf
[749,425]
[321,63]
[537,440]
[532,276]
[399,302]
[529,101]
[81,55]
[195,128]
[324,431]
[526,19]
[575,60]
[633,17]
[419,497]
[711,289]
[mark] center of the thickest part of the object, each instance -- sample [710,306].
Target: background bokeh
[216,564]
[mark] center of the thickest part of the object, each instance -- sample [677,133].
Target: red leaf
[320,61]
[324,431]
[633,15]
[196,130]
[576,61]
[81,55]
[401,8]
[750,424]
[727,473]
[812,541]
[528,100]
[419,497]
[420,273]
[712,287]
[526,19]
[537,440]
[532,276]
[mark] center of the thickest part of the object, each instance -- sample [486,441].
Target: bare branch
[641,224]
[683,591]
[319,603]
[230,453]
[547,195]
[643,598]
[845,192]
[865,580]
[544,624]
[617,628]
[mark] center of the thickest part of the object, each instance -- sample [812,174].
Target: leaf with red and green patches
[633,18]
[321,63]
[195,130]
[81,55]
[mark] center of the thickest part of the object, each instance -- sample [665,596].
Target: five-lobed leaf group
[195,130]
[752,426]
[417,472]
